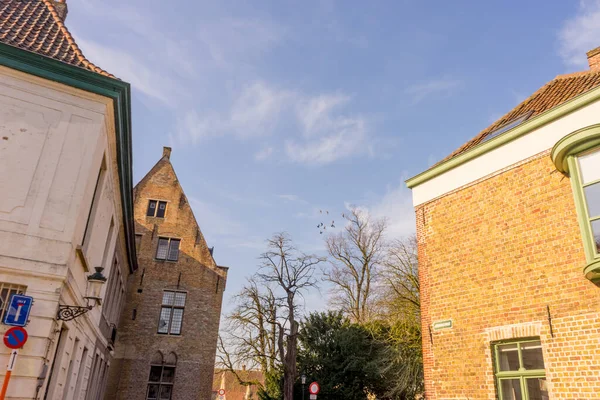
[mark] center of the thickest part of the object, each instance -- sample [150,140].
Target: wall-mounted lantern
[94,287]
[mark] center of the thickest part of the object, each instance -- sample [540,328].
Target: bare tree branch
[355,257]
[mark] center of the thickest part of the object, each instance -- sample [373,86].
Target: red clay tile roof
[557,91]
[34,25]
[234,390]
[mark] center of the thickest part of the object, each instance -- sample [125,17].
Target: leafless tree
[400,275]
[291,273]
[262,331]
[355,257]
[251,337]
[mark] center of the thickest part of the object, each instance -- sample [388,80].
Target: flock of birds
[322,227]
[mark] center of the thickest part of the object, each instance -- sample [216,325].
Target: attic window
[508,126]
[156,209]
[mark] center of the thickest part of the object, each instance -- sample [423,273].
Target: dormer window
[577,155]
[589,170]
[156,209]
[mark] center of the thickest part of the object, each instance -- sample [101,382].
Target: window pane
[176,322]
[155,372]
[151,208]
[162,206]
[508,357]
[511,389]
[163,323]
[168,298]
[163,246]
[537,388]
[592,198]
[174,250]
[589,165]
[596,234]
[152,392]
[168,374]
[179,299]
[165,392]
[532,355]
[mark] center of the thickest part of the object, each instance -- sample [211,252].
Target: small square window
[162,208]
[156,209]
[151,208]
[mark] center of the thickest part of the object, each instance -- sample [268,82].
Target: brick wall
[195,272]
[492,257]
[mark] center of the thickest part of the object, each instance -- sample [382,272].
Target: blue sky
[277,109]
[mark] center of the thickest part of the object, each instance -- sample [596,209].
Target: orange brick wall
[492,256]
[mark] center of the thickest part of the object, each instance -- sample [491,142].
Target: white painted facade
[532,143]
[54,140]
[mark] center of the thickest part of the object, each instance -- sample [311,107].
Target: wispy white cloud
[318,129]
[254,112]
[327,134]
[291,198]
[434,88]
[230,39]
[397,207]
[263,153]
[580,34]
[214,220]
[127,67]
[344,138]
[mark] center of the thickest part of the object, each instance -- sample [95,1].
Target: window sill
[168,335]
[84,261]
[592,271]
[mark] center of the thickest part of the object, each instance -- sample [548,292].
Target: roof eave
[117,90]
[482,148]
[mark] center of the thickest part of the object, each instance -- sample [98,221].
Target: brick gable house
[167,340]
[508,228]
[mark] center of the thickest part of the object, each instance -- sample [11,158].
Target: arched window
[162,377]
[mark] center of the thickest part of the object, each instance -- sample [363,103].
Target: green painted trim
[507,137]
[581,208]
[574,143]
[118,91]
[521,374]
[592,270]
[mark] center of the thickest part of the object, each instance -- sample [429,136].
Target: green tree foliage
[272,389]
[342,356]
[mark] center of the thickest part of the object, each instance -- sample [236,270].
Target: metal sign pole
[11,364]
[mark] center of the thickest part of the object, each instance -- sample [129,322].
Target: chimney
[243,367]
[167,152]
[593,57]
[61,8]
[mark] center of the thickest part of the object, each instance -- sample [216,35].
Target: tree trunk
[289,368]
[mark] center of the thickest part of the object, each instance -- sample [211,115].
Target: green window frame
[589,217]
[519,370]
[566,155]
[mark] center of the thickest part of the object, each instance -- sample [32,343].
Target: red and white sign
[221,392]
[15,337]
[314,388]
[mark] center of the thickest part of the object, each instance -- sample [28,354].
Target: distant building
[167,341]
[65,202]
[227,381]
[508,230]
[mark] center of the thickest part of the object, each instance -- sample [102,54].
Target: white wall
[526,146]
[52,142]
